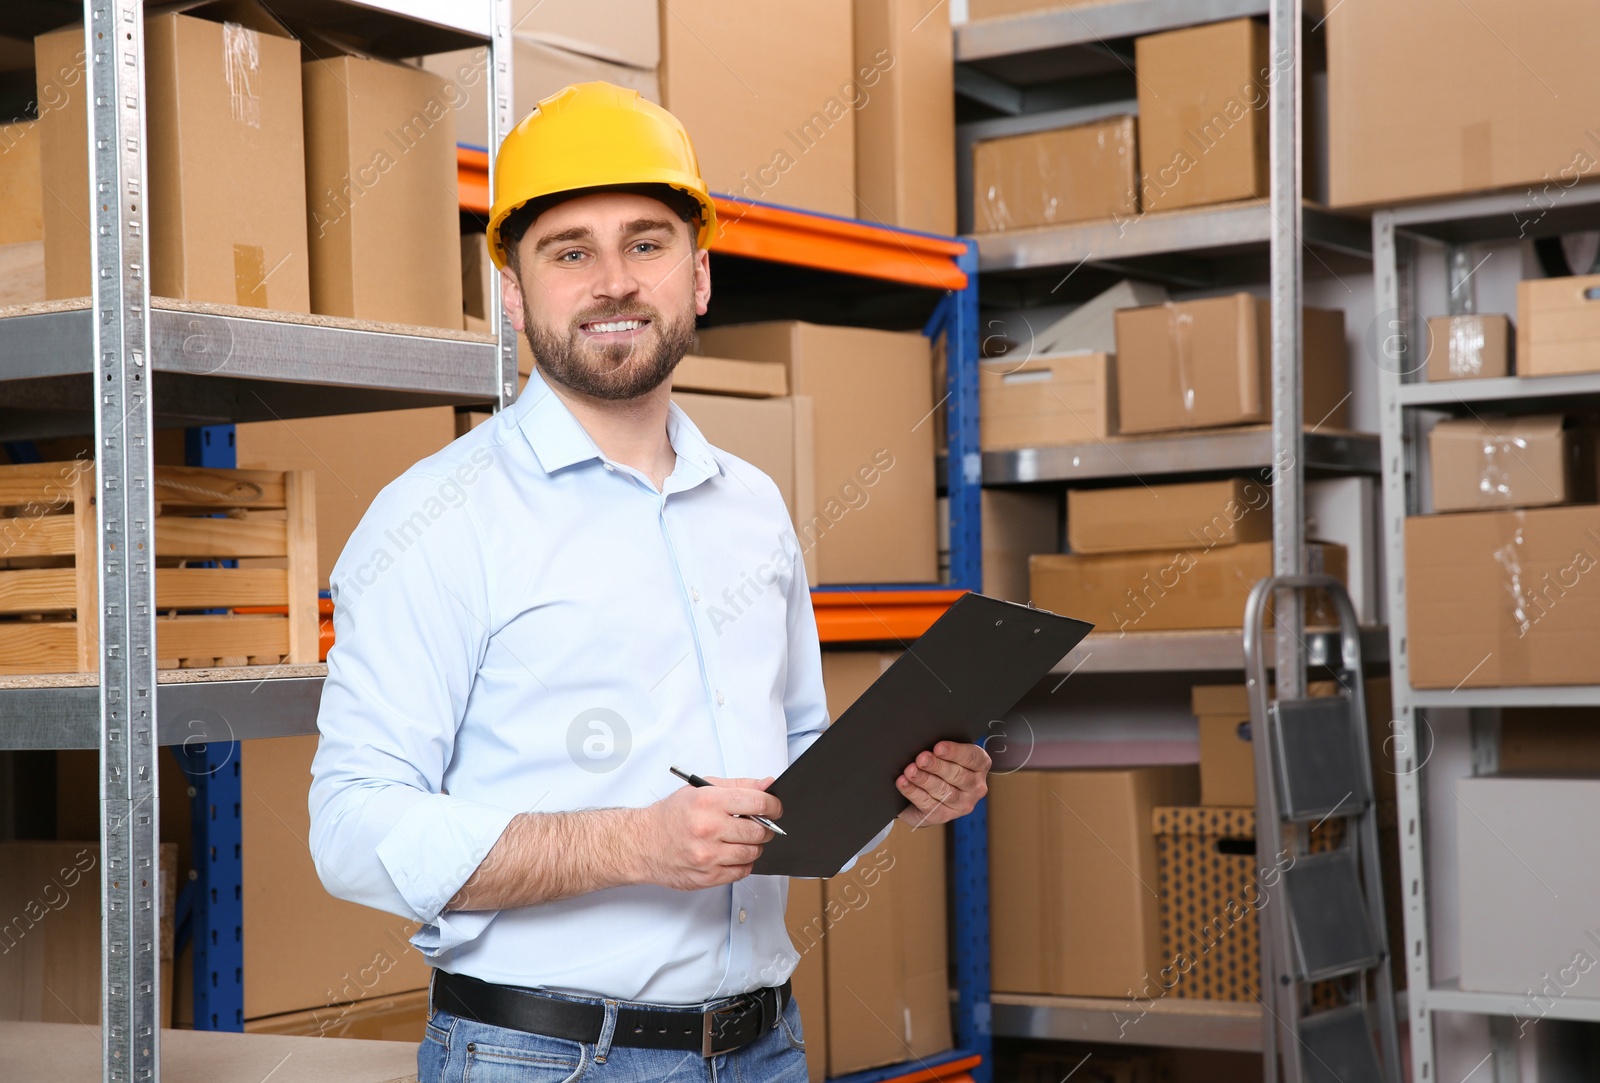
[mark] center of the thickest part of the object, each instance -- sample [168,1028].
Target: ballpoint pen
[696,780]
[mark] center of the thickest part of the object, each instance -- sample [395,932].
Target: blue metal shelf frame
[216,913]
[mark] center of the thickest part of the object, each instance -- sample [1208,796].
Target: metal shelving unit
[1402,238]
[1072,65]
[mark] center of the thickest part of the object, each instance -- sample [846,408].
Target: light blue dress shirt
[524,625]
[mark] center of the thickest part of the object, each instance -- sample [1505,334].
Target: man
[524,650]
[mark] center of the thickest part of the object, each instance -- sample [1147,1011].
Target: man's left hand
[944,783]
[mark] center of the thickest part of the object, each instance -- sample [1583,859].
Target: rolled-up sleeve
[805,702]
[411,621]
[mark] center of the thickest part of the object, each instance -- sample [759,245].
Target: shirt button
[610,467]
[695,594]
[720,700]
[741,917]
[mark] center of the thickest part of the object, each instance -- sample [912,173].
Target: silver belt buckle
[706,1025]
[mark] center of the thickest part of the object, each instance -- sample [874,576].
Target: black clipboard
[971,667]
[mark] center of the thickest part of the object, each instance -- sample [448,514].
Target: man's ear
[702,281]
[511,297]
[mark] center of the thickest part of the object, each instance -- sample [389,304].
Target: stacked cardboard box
[872,983]
[21,215]
[1558,325]
[1077,174]
[1166,557]
[1470,347]
[876,517]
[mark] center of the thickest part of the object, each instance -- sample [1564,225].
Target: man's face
[606,289]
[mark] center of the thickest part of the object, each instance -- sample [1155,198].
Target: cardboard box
[1227,757]
[620,31]
[1199,513]
[1074,909]
[1199,364]
[1519,462]
[1091,327]
[848,673]
[1167,589]
[22,273]
[875,519]
[1469,347]
[1075,174]
[994,9]
[806,926]
[887,971]
[1503,598]
[1558,325]
[540,68]
[1528,876]
[1427,100]
[776,436]
[1213,884]
[726,376]
[21,184]
[50,939]
[1203,114]
[905,132]
[384,225]
[304,949]
[1549,739]
[1046,401]
[226,162]
[777,125]
[353,457]
[1016,524]
[399,1018]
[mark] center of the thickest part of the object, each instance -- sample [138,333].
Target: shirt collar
[559,440]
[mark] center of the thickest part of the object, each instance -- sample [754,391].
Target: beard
[616,371]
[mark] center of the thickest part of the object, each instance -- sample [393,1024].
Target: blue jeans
[459,1050]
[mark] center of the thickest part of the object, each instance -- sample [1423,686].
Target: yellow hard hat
[594,135]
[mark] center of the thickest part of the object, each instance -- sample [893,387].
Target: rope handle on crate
[235,513]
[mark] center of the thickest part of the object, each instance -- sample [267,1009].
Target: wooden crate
[48,605]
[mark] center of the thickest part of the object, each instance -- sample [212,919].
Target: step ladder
[1324,920]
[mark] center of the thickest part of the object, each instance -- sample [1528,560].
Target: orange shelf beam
[836,244]
[857,616]
[955,1071]
[759,231]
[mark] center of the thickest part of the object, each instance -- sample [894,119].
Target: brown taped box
[1047,401]
[541,67]
[1498,598]
[772,124]
[50,941]
[399,1018]
[1167,590]
[1073,910]
[226,206]
[1469,347]
[1200,513]
[876,513]
[1520,462]
[726,376]
[1075,174]
[776,436]
[906,131]
[1227,757]
[806,927]
[1213,883]
[1427,99]
[304,949]
[353,456]
[384,225]
[21,184]
[1202,114]
[1558,325]
[1201,364]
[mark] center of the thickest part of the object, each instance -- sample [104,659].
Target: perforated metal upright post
[124,513]
[1288,470]
[500,122]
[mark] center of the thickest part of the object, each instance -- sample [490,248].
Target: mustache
[615,312]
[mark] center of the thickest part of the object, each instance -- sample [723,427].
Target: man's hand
[944,783]
[696,837]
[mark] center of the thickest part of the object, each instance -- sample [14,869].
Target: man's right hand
[697,836]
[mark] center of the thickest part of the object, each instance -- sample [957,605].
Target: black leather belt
[741,1021]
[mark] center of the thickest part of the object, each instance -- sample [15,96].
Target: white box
[1529,878]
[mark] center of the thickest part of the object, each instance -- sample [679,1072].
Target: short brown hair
[519,221]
